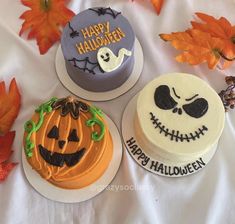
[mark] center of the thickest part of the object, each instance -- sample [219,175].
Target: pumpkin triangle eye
[53,133]
[73,137]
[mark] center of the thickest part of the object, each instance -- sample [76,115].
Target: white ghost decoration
[108,61]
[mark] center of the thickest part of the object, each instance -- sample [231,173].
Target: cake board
[100,96]
[156,165]
[55,193]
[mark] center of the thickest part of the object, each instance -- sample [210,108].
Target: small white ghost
[108,61]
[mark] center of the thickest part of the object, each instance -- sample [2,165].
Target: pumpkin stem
[70,105]
[70,99]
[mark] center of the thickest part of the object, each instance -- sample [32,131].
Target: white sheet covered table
[134,196]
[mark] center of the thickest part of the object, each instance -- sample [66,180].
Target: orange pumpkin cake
[68,142]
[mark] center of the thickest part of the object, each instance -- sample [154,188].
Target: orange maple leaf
[6,142]
[158,5]
[197,46]
[44,21]
[9,105]
[5,169]
[220,28]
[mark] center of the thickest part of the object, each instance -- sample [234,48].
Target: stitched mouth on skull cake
[175,135]
[58,159]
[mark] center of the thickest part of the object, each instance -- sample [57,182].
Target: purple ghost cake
[98,48]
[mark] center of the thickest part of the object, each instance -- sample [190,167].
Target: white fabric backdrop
[206,197]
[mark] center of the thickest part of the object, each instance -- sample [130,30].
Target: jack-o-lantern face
[177,112]
[71,139]
[58,158]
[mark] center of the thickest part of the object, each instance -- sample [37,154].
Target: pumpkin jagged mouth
[58,159]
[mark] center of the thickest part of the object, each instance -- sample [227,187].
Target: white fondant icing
[108,61]
[157,142]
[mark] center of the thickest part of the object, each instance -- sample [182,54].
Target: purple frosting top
[92,29]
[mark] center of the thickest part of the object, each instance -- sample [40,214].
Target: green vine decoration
[30,127]
[96,121]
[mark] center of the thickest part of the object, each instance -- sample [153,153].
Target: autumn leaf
[44,21]
[5,169]
[197,46]
[9,105]
[220,28]
[211,40]
[6,142]
[183,36]
[157,5]
[9,109]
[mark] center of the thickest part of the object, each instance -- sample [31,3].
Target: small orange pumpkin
[68,143]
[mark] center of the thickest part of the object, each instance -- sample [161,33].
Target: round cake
[68,142]
[179,118]
[98,48]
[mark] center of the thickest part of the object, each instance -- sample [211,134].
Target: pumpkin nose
[61,144]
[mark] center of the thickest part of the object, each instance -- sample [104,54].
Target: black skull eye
[53,133]
[163,98]
[107,54]
[102,56]
[197,108]
[73,137]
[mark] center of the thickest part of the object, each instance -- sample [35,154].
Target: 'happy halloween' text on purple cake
[98,47]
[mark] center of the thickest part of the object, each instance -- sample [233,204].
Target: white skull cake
[179,118]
